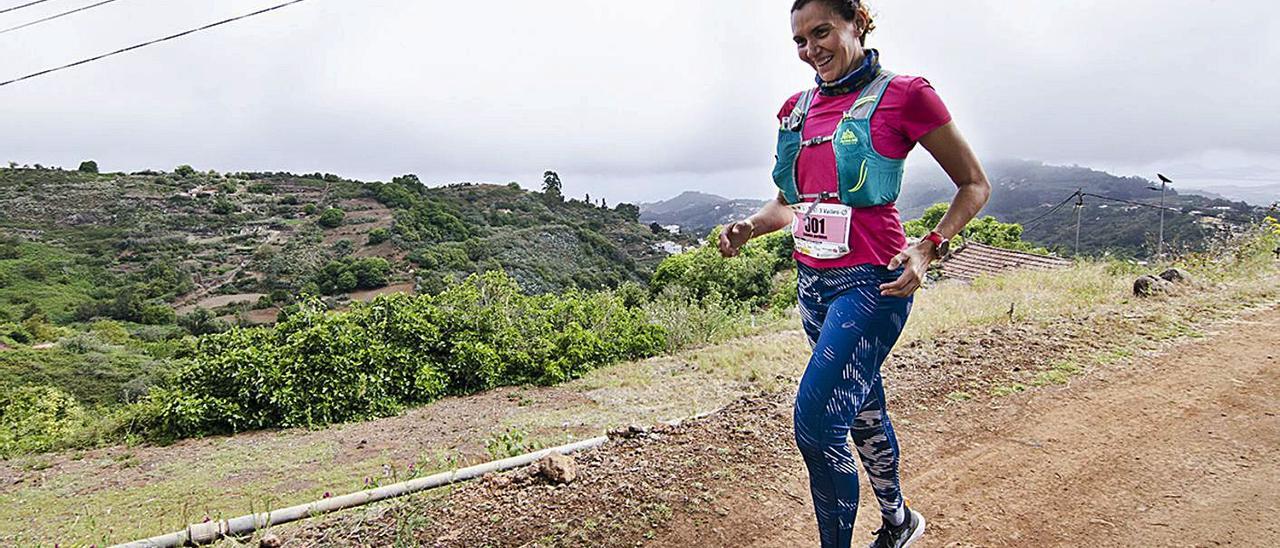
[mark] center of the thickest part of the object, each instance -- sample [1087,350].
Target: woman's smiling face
[826,41]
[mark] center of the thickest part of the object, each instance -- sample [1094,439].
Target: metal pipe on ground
[204,533]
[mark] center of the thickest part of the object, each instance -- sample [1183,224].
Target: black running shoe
[901,536]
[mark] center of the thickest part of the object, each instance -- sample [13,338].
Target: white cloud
[630,101]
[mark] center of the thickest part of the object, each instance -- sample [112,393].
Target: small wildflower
[327,494]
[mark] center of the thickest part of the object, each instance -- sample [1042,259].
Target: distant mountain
[1024,191]
[697,212]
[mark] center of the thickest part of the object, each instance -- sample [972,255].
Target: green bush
[379,235]
[88,166]
[346,275]
[746,278]
[37,418]
[332,218]
[689,320]
[317,367]
[157,314]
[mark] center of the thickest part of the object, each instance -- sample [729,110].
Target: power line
[52,17]
[7,10]
[1027,225]
[144,44]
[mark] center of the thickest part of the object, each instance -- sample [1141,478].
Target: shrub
[88,166]
[157,314]
[703,271]
[37,418]
[223,206]
[310,209]
[379,235]
[317,367]
[332,218]
[689,320]
[184,171]
[201,322]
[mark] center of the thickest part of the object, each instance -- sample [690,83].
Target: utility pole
[1164,182]
[1079,208]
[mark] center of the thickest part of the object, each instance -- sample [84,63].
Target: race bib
[823,232]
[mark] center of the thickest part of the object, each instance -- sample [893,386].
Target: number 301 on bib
[823,232]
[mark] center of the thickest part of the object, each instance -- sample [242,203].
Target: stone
[1176,275]
[1147,286]
[269,541]
[558,468]
[630,431]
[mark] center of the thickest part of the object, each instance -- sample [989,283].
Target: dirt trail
[1173,447]
[1180,450]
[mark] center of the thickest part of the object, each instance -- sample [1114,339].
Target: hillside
[1023,191]
[78,245]
[697,212]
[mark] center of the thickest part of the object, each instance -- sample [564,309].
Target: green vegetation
[316,367]
[1025,190]
[332,218]
[986,230]
[510,443]
[346,275]
[748,279]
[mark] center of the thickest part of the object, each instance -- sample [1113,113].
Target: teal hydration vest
[865,177]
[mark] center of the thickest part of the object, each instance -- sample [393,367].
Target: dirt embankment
[1146,449]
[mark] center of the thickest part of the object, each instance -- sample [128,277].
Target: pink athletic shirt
[909,110]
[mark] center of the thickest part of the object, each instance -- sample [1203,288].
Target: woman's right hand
[735,235]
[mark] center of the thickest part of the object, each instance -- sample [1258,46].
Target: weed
[509,444]
[1060,373]
[959,396]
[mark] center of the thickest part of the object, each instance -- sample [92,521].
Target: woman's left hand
[916,262]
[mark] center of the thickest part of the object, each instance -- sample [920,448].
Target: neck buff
[855,80]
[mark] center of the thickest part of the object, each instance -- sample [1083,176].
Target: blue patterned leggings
[851,328]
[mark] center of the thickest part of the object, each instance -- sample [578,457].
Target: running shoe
[901,536]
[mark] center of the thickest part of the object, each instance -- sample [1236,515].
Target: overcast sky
[630,101]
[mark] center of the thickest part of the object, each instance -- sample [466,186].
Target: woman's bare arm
[774,215]
[952,152]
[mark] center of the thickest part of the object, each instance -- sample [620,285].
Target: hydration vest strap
[870,97]
[795,122]
[817,141]
[817,199]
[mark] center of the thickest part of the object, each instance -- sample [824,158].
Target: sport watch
[942,245]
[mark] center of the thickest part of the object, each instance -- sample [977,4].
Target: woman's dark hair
[849,10]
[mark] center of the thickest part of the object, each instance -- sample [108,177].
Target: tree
[407,179]
[630,211]
[88,166]
[551,186]
[184,171]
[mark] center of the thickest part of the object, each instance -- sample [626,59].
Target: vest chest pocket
[852,145]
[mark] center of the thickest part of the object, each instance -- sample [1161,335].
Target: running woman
[841,147]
